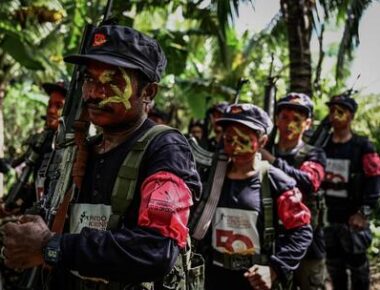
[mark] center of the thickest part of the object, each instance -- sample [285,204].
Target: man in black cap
[128,222]
[306,164]
[57,93]
[254,197]
[352,188]
[214,131]
[40,145]
[38,152]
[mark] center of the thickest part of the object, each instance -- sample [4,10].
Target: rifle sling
[210,205]
[60,216]
[126,180]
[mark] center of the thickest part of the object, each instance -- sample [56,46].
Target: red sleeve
[291,211]
[165,206]
[315,171]
[371,164]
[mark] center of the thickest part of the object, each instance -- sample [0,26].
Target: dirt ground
[375,278]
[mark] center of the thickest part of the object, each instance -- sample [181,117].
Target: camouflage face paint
[295,126]
[120,96]
[106,76]
[241,143]
[292,127]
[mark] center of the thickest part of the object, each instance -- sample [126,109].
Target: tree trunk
[2,93]
[298,17]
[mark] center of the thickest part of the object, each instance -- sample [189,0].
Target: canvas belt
[239,262]
[95,284]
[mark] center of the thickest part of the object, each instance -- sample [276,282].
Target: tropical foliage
[207,57]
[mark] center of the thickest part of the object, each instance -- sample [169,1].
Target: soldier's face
[241,143]
[197,132]
[339,116]
[110,95]
[292,124]
[54,109]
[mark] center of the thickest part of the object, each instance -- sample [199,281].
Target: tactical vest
[188,271]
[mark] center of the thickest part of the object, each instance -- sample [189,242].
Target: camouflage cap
[249,115]
[298,101]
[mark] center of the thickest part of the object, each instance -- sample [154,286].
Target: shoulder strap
[201,218]
[126,180]
[301,154]
[267,199]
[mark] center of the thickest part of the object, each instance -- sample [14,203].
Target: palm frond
[350,39]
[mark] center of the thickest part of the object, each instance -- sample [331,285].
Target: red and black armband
[291,211]
[165,206]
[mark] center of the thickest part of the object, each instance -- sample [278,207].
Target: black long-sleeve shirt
[132,253]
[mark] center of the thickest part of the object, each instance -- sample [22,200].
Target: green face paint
[295,126]
[295,129]
[120,96]
[106,76]
[244,146]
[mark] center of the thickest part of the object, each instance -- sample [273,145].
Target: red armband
[371,164]
[165,206]
[315,171]
[292,212]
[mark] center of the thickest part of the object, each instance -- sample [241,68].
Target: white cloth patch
[94,216]
[337,171]
[234,231]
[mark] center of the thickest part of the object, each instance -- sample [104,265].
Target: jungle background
[206,58]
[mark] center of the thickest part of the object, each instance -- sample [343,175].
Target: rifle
[33,153]
[239,86]
[270,101]
[63,185]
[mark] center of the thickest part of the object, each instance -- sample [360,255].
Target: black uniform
[352,181]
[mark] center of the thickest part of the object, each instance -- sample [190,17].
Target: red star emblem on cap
[99,39]
[296,100]
[236,110]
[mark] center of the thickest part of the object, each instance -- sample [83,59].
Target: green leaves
[176,51]
[21,52]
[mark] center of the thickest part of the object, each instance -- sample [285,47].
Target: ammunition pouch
[187,273]
[196,273]
[317,206]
